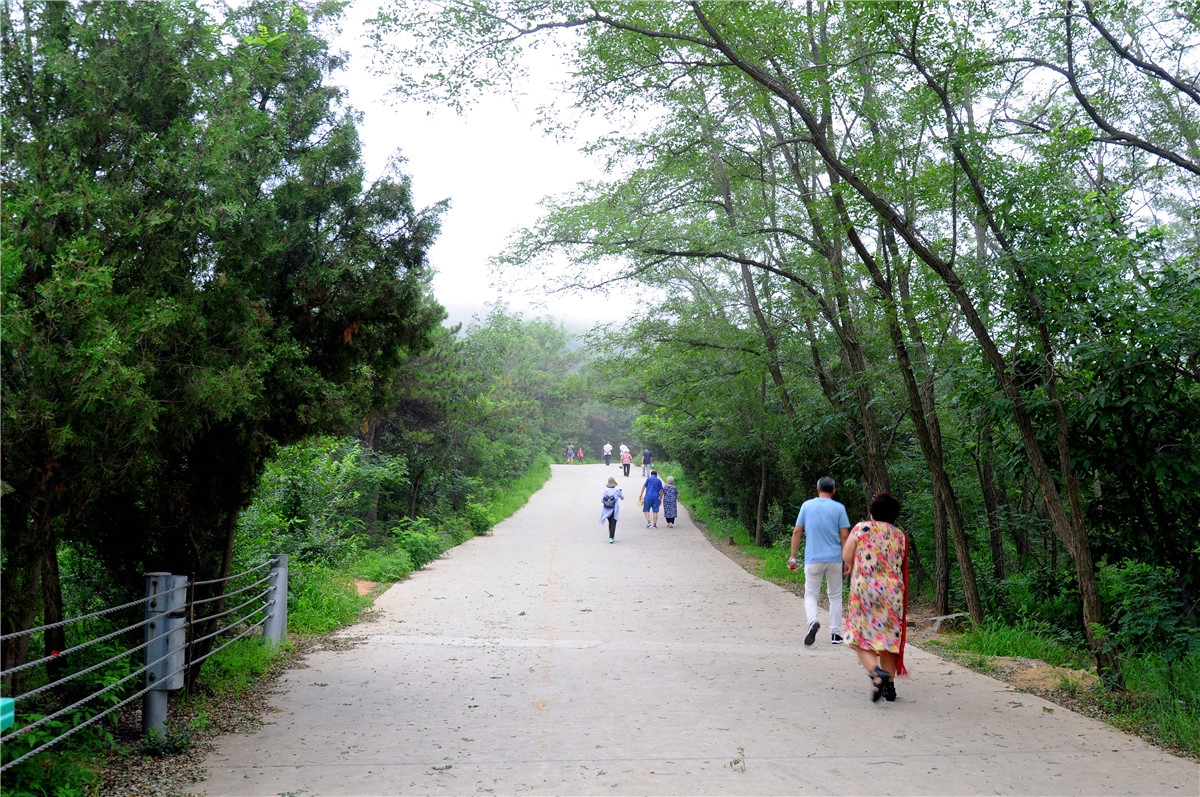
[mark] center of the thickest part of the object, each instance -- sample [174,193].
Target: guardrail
[171,638]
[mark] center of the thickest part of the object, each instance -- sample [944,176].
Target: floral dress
[875,617]
[670,498]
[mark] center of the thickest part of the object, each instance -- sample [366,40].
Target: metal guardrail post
[275,628]
[166,635]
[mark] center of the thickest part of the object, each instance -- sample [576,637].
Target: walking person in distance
[607,454]
[875,556]
[825,526]
[647,461]
[626,459]
[610,507]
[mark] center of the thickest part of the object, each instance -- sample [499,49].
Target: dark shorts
[650,505]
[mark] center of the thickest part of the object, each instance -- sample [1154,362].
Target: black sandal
[882,679]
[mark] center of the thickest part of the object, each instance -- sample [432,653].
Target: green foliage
[196,271]
[381,564]
[505,502]
[68,766]
[1148,612]
[307,504]
[420,539]
[233,669]
[321,599]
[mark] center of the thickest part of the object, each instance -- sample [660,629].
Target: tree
[194,274]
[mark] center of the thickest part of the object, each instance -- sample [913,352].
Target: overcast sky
[493,163]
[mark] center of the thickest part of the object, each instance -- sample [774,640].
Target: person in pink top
[579,455]
[626,460]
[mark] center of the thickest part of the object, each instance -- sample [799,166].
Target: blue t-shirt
[822,519]
[654,486]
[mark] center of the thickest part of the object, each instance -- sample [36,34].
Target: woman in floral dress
[875,557]
[670,501]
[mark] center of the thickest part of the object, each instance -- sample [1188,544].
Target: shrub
[321,599]
[420,539]
[476,517]
[383,564]
[1147,610]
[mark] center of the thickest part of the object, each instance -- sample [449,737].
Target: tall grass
[1161,702]
[1027,639]
[320,599]
[505,503]
[233,669]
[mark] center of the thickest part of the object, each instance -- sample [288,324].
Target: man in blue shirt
[827,527]
[651,492]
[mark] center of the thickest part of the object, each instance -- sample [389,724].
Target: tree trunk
[416,492]
[52,612]
[991,500]
[941,555]
[198,651]
[760,536]
[371,439]
[945,503]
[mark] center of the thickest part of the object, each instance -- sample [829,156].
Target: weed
[236,667]
[383,564]
[1027,639]
[321,599]
[738,763]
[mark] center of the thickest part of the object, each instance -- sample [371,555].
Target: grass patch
[382,564]
[1027,639]
[1162,703]
[235,668]
[505,503]
[320,599]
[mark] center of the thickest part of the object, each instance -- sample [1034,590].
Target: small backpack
[609,500]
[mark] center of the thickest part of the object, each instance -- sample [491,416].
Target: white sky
[492,162]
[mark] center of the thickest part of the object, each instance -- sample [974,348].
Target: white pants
[832,573]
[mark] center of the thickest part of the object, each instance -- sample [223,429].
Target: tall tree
[195,272]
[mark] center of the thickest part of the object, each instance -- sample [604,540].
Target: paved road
[542,660]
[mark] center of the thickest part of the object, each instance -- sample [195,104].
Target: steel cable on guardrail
[39,722]
[265,564]
[230,642]
[66,678]
[224,595]
[90,720]
[110,610]
[242,605]
[189,625]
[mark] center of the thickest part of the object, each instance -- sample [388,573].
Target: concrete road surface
[543,660]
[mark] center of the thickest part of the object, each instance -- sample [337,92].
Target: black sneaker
[835,639]
[811,636]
